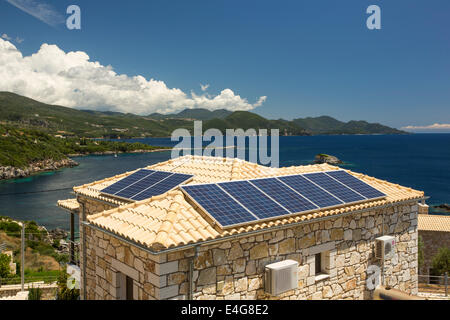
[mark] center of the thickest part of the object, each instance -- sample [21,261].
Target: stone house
[435,233]
[166,248]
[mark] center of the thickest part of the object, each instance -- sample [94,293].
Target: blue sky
[308,58]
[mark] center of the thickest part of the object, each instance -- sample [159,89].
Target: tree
[4,265]
[441,262]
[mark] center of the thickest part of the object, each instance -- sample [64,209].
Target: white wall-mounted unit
[385,247]
[281,277]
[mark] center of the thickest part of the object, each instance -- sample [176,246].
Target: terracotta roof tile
[430,222]
[69,204]
[169,220]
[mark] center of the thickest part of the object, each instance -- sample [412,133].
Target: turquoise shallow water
[420,161]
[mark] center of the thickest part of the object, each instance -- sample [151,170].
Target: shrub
[441,262]
[34,293]
[56,243]
[10,228]
[4,265]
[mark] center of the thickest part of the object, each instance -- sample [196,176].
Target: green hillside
[28,113]
[329,125]
[196,114]
[22,112]
[20,147]
[247,120]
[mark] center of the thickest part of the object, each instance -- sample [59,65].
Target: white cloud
[8,38]
[42,11]
[204,87]
[72,80]
[436,126]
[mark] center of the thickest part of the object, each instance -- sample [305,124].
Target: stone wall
[92,206]
[432,241]
[88,207]
[109,259]
[48,290]
[234,269]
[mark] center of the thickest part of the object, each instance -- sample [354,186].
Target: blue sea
[419,161]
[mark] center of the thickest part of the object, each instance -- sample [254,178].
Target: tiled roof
[168,220]
[429,222]
[69,204]
[205,170]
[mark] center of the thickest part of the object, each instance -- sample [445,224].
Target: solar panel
[163,186]
[310,191]
[334,187]
[239,202]
[356,184]
[284,195]
[127,181]
[218,204]
[144,184]
[253,199]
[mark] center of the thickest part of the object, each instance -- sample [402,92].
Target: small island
[443,207]
[326,158]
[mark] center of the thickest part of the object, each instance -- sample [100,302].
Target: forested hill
[23,112]
[329,125]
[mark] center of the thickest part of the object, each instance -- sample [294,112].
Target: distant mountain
[195,114]
[24,112]
[247,120]
[329,125]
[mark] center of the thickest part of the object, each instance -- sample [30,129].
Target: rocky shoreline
[10,172]
[326,158]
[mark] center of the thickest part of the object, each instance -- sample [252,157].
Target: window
[318,262]
[129,288]
[322,265]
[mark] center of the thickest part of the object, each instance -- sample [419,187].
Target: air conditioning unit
[281,277]
[385,247]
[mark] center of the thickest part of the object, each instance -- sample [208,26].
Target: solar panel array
[239,202]
[145,184]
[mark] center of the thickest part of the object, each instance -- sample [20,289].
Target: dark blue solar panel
[284,195]
[356,184]
[253,199]
[334,187]
[162,187]
[142,184]
[310,191]
[127,181]
[218,204]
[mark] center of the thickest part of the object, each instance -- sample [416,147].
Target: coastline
[9,172]
[49,165]
[106,153]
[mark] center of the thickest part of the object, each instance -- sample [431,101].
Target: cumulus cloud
[40,10]
[6,37]
[436,126]
[19,40]
[72,80]
[204,87]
